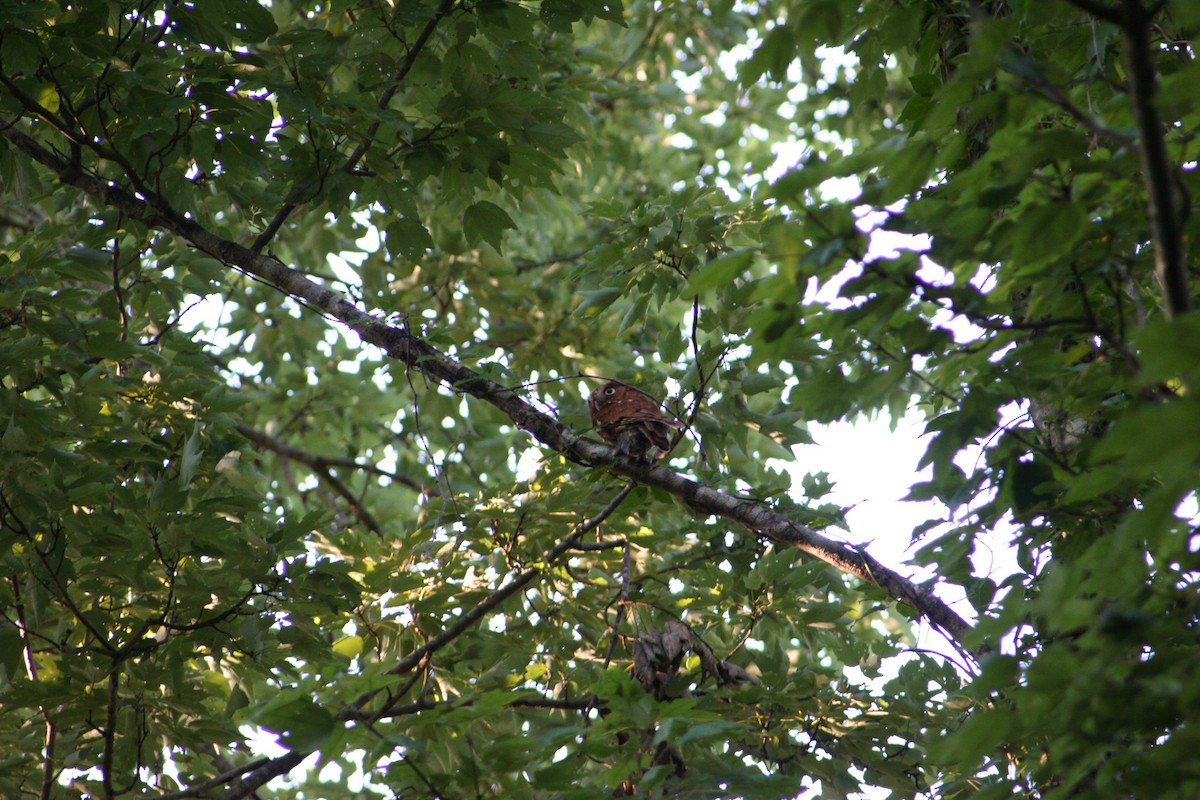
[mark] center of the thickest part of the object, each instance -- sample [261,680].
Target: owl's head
[610,391]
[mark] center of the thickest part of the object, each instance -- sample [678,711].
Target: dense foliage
[301,302]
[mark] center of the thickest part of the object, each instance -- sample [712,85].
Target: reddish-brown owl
[629,420]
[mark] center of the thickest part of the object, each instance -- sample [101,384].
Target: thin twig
[264,439]
[416,707]
[517,584]
[553,260]
[609,544]
[492,601]
[405,67]
[284,211]
[48,771]
[1047,89]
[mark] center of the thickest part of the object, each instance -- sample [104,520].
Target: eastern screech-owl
[629,420]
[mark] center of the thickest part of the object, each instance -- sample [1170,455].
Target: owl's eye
[610,390]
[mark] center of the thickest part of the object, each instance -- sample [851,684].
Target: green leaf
[554,136]
[1169,349]
[252,21]
[348,646]
[597,299]
[1047,232]
[486,222]
[302,724]
[408,238]
[719,272]
[189,461]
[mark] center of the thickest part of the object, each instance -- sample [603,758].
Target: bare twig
[275,444]
[527,266]
[931,292]
[443,10]
[1038,81]
[416,707]
[604,544]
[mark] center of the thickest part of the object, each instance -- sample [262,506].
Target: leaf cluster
[224,516]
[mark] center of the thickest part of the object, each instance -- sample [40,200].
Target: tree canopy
[301,302]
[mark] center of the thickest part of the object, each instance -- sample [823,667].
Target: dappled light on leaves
[302,304]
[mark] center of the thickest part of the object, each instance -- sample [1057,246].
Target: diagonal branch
[261,774]
[322,467]
[443,10]
[522,580]
[200,789]
[1034,76]
[353,711]
[400,343]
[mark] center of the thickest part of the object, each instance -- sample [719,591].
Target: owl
[630,421]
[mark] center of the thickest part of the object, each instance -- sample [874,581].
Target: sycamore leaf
[486,222]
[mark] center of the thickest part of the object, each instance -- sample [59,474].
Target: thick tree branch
[1165,212]
[201,789]
[400,343]
[261,774]
[1166,219]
